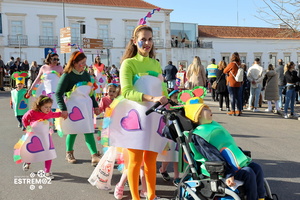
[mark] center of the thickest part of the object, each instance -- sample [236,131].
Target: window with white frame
[47,29]
[129,31]
[287,58]
[103,31]
[156,32]
[16,27]
[75,29]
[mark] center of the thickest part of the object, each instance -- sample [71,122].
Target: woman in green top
[139,59]
[76,84]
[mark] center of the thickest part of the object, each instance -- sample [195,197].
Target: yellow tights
[135,160]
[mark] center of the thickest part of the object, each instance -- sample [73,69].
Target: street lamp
[19,40]
[81,31]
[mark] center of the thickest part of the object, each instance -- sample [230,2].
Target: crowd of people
[81,93]
[278,87]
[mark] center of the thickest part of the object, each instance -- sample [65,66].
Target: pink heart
[158,9]
[161,125]
[132,121]
[51,146]
[101,80]
[148,14]
[35,145]
[76,114]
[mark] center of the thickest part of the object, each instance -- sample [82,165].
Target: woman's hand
[97,111]
[64,114]
[161,99]
[230,181]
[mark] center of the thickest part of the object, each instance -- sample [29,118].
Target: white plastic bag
[102,174]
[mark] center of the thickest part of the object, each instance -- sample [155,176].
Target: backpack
[239,77]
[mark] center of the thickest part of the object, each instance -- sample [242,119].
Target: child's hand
[64,114]
[230,181]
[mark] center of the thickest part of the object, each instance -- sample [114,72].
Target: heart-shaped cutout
[132,121]
[35,145]
[142,21]
[20,78]
[76,114]
[161,125]
[101,80]
[148,14]
[23,105]
[185,96]
[194,101]
[198,92]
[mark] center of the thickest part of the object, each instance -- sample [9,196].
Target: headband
[173,92]
[44,98]
[76,55]
[113,84]
[143,21]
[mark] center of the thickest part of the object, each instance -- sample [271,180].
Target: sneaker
[227,109]
[165,176]
[49,175]
[118,193]
[231,113]
[26,166]
[267,110]
[176,181]
[220,109]
[238,113]
[143,194]
[256,110]
[285,116]
[249,108]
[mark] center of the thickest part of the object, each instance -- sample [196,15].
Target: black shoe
[165,176]
[176,181]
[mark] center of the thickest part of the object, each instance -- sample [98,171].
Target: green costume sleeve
[63,84]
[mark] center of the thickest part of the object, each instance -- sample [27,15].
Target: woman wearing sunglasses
[48,75]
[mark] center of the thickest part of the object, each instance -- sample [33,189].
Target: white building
[30,28]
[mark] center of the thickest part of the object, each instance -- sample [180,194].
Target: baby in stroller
[207,140]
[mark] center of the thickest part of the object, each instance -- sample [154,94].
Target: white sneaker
[220,109]
[249,108]
[285,116]
[267,110]
[49,175]
[143,194]
[26,167]
[256,110]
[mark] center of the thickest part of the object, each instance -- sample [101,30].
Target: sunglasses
[55,59]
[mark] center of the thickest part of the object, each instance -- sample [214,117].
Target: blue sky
[214,12]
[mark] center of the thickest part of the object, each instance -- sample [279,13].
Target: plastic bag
[102,174]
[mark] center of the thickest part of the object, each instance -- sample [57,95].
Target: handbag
[215,83]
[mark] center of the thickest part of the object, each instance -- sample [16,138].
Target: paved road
[274,143]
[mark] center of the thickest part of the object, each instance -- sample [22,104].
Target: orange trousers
[135,160]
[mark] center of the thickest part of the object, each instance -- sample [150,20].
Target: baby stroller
[194,184]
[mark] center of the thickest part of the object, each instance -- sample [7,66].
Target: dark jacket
[222,87]
[170,72]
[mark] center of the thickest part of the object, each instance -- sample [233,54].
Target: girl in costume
[141,86]
[112,92]
[99,71]
[77,110]
[19,101]
[172,152]
[48,75]
[37,144]
[215,143]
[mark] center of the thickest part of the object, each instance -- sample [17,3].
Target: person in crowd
[170,74]
[245,88]
[176,41]
[270,85]
[2,74]
[33,72]
[77,80]
[182,78]
[41,111]
[19,102]
[112,93]
[10,63]
[195,75]
[222,87]
[24,66]
[101,75]
[114,71]
[280,72]
[139,58]
[49,74]
[255,76]
[211,72]
[233,85]
[290,80]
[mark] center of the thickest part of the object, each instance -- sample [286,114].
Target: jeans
[213,91]
[235,100]
[280,88]
[171,83]
[290,100]
[254,92]
[253,178]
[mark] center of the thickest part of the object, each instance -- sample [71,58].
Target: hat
[193,108]
[19,77]
[213,60]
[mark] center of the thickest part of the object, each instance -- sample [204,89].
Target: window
[156,32]
[16,27]
[226,59]
[103,31]
[47,28]
[129,31]
[75,30]
[243,59]
[287,59]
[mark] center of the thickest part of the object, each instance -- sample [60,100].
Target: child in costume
[112,92]
[37,144]
[172,153]
[19,101]
[215,143]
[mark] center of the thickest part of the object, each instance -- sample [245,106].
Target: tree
[284,13]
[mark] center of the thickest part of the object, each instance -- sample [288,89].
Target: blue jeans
[171,83]
[254,92]
[253,178]
[280,88]
[290,100]
[235,99]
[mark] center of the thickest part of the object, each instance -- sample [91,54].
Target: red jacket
[232,68]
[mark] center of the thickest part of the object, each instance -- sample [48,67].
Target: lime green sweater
[132,66]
